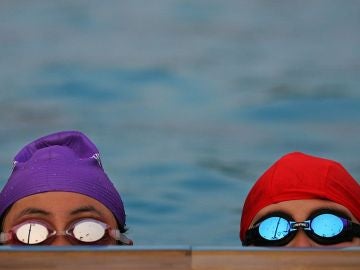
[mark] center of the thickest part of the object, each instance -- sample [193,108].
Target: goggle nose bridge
[305,225]
[59,233]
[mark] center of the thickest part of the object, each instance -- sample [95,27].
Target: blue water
[188,101]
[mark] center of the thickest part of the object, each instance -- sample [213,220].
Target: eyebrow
[330,208]
[333,209]
[32,211]
[275,212]
[85,209]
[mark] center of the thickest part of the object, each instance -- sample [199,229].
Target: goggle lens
[32,233]
[88,231]
[274,228]
[327,225]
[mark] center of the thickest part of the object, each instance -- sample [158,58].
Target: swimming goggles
[86,231]
[325,227]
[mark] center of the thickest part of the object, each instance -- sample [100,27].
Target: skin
[59,209]
[300,211]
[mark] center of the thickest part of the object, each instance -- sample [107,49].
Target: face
[300,210]
[59,210]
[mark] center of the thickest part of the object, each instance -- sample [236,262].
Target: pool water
[188,101]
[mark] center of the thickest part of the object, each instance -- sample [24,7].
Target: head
[58,187]
[296,198]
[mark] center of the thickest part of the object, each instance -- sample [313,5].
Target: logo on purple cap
[97,157]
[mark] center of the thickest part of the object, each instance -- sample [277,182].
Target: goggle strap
[356,229]
[117,235]
[5,237]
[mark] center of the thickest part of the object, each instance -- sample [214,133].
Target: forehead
[57,201]
[301,209]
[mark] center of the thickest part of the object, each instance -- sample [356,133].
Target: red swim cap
[298,176]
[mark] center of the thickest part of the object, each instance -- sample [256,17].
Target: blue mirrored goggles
[325,227]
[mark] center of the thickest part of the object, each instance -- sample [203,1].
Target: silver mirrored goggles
[86,231]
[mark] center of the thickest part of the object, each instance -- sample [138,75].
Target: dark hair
[2,218]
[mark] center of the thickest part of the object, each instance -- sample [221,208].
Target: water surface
[188,101]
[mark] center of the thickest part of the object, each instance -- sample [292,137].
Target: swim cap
[64,161]
[298,176]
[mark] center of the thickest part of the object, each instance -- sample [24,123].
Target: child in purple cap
[59,194]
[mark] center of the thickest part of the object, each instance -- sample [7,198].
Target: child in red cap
[302,201]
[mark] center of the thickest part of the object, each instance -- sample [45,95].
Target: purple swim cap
[64,161]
